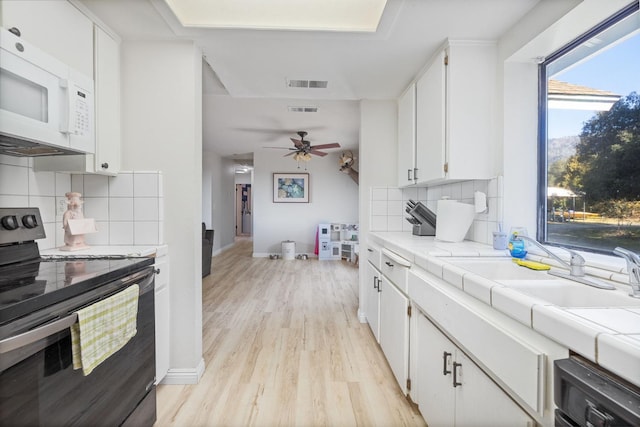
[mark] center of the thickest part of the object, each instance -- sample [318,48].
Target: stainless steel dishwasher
[587,395]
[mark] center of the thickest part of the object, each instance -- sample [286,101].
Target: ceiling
[245,76]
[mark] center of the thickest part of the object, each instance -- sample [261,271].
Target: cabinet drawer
[519,366]
[373,255]
[395,268]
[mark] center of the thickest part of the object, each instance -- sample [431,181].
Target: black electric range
[39,303]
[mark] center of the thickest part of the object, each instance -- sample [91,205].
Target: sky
[616,70]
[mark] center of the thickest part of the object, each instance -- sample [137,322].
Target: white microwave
[46,107]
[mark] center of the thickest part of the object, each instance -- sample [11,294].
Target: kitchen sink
[497,268]
[564,293]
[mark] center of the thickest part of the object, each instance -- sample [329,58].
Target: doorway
[243,210]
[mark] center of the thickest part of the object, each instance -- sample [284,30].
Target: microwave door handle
[29,337]
[65,108]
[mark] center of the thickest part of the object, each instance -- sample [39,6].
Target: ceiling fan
[303,148]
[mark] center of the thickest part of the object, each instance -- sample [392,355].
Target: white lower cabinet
[162,317]
[452,390]
[373,299]
[394,330]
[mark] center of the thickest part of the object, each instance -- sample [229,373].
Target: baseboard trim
[177,376]
[362,316]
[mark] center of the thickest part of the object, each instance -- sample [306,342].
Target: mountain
[561,148]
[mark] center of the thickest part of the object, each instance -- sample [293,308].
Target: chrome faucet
[633,267]
[576,266]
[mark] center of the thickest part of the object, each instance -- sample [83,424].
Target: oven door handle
[29,337]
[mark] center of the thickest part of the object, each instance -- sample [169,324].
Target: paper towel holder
[480,202]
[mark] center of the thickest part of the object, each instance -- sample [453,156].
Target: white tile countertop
[105,251]
[607,335]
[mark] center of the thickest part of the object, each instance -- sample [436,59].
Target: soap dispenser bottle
[516,246]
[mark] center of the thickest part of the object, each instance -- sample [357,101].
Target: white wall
[333,197]
[218,198]
[162,130]
[378,165]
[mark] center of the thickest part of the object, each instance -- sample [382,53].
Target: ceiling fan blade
[297,142]
[322,146]
[318,153]
[283,148]
[290,154]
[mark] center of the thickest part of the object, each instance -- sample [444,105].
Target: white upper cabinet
[107,81]
[407,136]
[454,121]
[470,110]
[57,28]
[430,121]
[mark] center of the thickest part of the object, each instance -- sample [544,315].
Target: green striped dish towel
[104,328]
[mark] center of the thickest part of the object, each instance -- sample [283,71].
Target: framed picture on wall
[291,188]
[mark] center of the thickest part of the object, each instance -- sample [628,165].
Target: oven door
[39,387]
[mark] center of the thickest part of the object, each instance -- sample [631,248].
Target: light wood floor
[283,347]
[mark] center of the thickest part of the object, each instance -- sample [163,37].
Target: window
[589,153]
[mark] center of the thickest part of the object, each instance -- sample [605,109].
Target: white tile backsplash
[145,184]
[395,201]
[109,200]
[96,186]
[145,209]
[42,183]
[14,180]
[96,208]
[121,209]
[121,185]
[121,233]
[146,233]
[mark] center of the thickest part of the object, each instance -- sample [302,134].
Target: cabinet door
[433,378]
[54,26]
[107,81]
[470,109]
[373,300]
[479,401]
[430,122]
[394,330]
[406,136]
[162,317]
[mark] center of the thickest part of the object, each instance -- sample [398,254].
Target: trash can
[288,249]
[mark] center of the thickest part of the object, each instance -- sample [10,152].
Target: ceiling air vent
[318,84]
[312,84]
[303,109]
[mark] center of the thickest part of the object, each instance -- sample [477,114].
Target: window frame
[542,164]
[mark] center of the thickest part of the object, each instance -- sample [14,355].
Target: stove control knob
[29,221]
[9,222]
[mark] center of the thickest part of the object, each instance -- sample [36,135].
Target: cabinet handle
[379,281]
[157,271]
[445,357]
[415,174]
[375,282]
[105,165]
[15,31]
[370,250]
[456,365]
[409,178]
[388,263]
